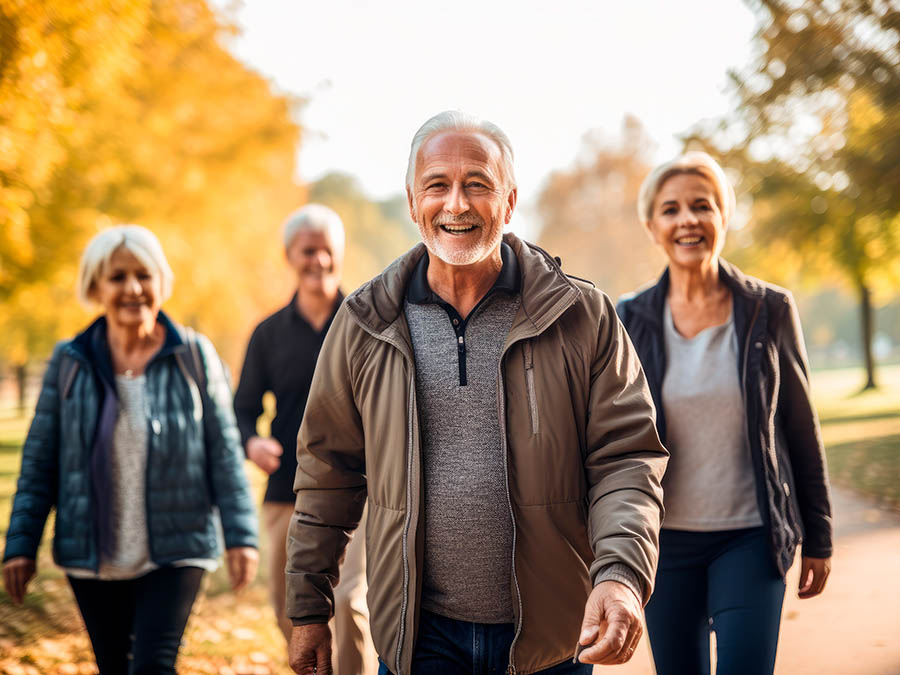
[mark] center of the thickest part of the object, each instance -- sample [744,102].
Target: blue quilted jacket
[194,460]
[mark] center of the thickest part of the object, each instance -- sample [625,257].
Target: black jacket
[782,427]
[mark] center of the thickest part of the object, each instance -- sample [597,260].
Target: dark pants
[136,625]
[451,647]
[721,581]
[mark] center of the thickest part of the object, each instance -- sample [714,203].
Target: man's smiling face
[460,197]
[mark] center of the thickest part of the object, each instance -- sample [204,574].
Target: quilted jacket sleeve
[36,489]
[225,455]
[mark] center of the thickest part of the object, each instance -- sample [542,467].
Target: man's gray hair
[694,162]
[314,218]
[456,120]
[137,240]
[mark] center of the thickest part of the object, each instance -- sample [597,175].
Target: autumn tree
[814,140]
[136,111]
[588,212]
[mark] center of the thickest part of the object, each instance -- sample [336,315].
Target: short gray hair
[314,218]
[137,240]
[456,120]
[694,162]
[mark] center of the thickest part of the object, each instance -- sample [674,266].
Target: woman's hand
[813,575]
[242,562]
[17,572]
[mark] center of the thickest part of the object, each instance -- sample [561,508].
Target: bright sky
[545,72]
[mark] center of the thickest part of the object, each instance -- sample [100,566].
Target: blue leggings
[721,581]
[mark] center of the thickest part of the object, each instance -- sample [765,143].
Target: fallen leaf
[243,634]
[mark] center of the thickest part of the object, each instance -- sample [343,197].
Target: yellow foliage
[864,112]
[115,111]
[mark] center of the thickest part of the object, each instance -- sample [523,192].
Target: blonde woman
[746,481]
[133,442]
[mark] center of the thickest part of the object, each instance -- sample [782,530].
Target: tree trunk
[865,297]
[20,383]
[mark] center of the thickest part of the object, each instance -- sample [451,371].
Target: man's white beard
[459,256]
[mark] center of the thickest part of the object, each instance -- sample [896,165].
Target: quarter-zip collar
[378,305]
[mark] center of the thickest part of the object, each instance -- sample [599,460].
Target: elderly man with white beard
[494,416]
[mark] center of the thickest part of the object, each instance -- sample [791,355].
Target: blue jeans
[722,581]
[451,647]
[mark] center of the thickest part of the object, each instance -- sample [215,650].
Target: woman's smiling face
[129,293]
[687,221]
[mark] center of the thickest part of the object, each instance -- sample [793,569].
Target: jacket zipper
[404,606]
[501,401]
[501,404]
[764,507]
[87,444]
[410,430]
[529,383]
[151,437]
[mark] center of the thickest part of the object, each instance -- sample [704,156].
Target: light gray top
[131,558]
[709,483]
[468,528]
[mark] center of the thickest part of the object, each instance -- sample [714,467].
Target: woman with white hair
[134,442]
[746,481]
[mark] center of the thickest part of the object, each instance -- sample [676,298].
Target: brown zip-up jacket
[583,461]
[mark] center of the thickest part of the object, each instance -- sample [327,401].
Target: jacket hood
[649,302]
[377,304]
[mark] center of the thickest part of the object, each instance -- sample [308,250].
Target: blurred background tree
[589,212]
[114,112]
[136,112]
[815,147]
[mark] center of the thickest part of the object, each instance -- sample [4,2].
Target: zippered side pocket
[529,385]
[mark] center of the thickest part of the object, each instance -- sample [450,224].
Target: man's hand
[612,626]
[813,575]
[310,649]
[242,562]
[17,572]
[265,453]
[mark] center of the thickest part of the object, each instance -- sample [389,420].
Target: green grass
[870,465]
[861,431]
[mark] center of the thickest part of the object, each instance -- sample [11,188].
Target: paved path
[853,628]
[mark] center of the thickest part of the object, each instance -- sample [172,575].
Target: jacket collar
[650,302]
[90,344]
[546,290]
[419,291]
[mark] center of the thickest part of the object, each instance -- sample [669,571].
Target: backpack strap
[194,365]
[68,369]
[193,370]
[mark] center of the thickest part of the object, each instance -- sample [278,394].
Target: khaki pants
[353,652]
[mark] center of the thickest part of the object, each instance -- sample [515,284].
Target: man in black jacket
[281,358]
